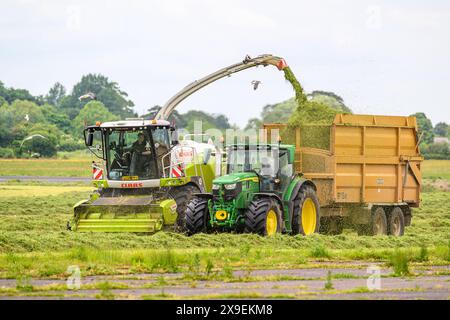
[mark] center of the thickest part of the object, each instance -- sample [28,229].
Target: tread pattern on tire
[196,218]
[255,215]
[182,195]
[304,192]
[396,211]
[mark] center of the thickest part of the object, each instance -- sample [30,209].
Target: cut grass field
[34,241]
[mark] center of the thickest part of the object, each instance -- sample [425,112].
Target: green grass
[34,242]
[46,167]
[436,169]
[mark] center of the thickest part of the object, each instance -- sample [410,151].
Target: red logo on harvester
[132,185]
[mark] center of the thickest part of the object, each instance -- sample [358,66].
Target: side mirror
[174,136]
[88,139]
[206,156]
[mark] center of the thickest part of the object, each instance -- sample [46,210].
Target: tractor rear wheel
[396,222]
[306,218]
[263,217]
[196,215]
[182,195]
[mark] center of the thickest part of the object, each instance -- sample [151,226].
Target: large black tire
[196,215]
[396,222]
[182,195]
[306,195]
[377,225]
[331,225]
[256,217]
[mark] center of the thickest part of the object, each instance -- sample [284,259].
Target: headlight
[216,187]
[230,186]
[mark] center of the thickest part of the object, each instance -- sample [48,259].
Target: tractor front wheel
[263,217]
[196,216]
[306,218]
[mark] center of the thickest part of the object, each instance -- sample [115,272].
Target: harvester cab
[260,194]
[145,177]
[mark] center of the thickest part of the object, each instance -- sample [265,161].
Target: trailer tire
[182,195]
[396,222]
[263,217]
[306,209]
[377,225]
[196,216]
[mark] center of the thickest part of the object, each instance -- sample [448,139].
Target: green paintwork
[147,219]
[174,182]
[236,206]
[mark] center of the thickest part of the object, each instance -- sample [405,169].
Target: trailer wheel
[263,217]
[196,215]
[396,222]
[377,224]
[306,218]
[182,195]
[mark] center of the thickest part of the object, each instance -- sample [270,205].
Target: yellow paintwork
[221,215]
[271,223]
[309,217]
[370,159]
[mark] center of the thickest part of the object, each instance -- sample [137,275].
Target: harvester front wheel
[182,195]
[306,218]
[263,217]
[196,216]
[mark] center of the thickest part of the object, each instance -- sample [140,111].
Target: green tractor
[259,194]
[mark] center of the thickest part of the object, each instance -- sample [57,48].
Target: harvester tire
[182,195]
[396,222]
[196,216]
[263,217]
[377,226]
[306,217]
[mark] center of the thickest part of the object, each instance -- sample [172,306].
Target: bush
[70,145]
[7,153]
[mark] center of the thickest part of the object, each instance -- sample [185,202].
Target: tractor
[260,193]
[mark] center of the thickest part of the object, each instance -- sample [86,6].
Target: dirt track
[348,282]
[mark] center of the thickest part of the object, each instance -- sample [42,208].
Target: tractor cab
[272,163]
[132,149]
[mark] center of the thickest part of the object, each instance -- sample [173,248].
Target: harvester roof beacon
[147,176]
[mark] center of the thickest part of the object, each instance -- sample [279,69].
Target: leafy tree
[175,117]
[106,91]
[55,116]
[26,112]
[55,95]
[6,123]
[330,99]
[441,129]
[209,121]
[91,113]
[44,139]
[253,123]
[11,94]
[425,128]
[439,150]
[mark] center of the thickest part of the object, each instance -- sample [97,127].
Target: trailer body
[359,163]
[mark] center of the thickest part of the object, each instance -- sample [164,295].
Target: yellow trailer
[366,169]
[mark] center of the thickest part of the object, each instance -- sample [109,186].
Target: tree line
[43,125]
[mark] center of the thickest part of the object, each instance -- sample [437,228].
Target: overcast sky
[382,57]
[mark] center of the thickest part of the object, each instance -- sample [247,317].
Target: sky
[382,57]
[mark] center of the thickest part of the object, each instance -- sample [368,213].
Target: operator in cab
[140,160]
